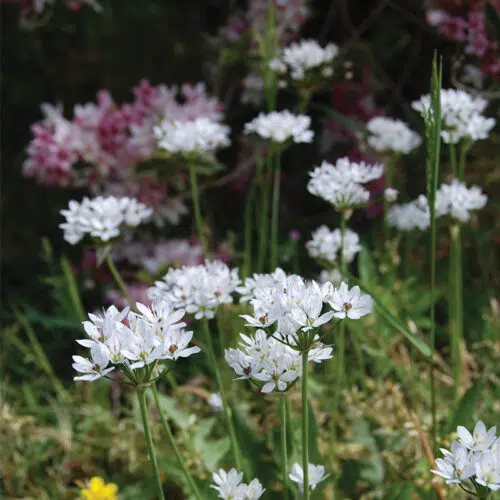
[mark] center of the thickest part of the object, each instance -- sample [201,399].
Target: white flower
[461,115]
[409,216]
[388,135]
[302,57]
[332,276]
[198,289]
[202,135]
[457,200]
[350,303]
[280,126]
[308,314]
[102,217]
[342,184]
[391,195]
[480,439]
[316,474]
[229,486]
[456,466]
[326,245]
[94,368]
[488,468]
[260,281]
[215,402]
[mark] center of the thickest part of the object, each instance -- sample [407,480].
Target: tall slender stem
[200,227]
[119,281]
[264,220]
[284,451]
[227,410]
[275,212]
[464,147]
[305,423]
[453,160]
[456,300]
[177,453]
[247,253]
[141,395]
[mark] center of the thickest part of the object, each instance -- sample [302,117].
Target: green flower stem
[453,160]
[305,423]
[227,410]
[119,281]
[275,212]
[284,451]
[248,235]
[265,187]
[456,303]
[177,453]
[464,148]
[221,331]
[141,395]
[200,227]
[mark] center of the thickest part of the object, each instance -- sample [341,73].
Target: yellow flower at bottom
[98,490]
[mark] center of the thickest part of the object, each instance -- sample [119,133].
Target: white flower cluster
[316,474]
[151,335]
[300,58]
[326,245]
[102,217]
[202,136]
[342,184]
[198,289]
[229,486]
[457,201]
[388,135]
[294,306]
[280,126]
[410,216]
[462,116]
[474,456]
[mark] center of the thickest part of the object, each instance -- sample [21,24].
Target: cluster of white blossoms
[128,340]
[197,289]
[316,474]
[388,135]
[462,116]
[299,59]
[342,184]
[229,486]
[280,126]
[474,456]
[201,136]
[410,216]
[457,200]
[326,245]
[102,217]
[295,307]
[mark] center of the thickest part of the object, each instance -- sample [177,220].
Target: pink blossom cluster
[464,22]
[290,15]
[103,143]
[33,10]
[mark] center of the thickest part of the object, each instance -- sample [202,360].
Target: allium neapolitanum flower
[281,126]
[325,245]
[97,489]
[198,289]
[342,184]
[316,475]
[462,116]
[201,136]
[387,135]
[229,486]
[410,216]
[474,456]
[102,218]
[304,59]
[129,341]
[295,308]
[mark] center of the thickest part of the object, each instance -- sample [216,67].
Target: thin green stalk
[453,160]
[177,453]
[284,451]
[119,281]
[227,410]
[264,221]
[141,396]
[221,331]
[462,158]
[305,423]
[73,289]
[200,228]
[275,212]
[247,253]
[456,300]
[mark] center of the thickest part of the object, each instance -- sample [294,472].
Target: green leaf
[395,323]
[400,492]
[350,123]
[366,267]
[169,406]
[464,412]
